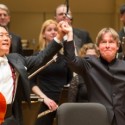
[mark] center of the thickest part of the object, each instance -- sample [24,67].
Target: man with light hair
[16,45]
[104,76]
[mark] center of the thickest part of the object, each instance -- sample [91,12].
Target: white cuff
[57,40]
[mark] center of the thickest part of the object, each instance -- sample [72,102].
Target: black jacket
[105,81]
[23,66]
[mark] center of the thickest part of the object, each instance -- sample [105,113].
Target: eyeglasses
[5,35]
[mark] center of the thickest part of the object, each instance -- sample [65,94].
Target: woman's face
[50,32]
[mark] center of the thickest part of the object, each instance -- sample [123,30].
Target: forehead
[3,11]
[61,9]
[107,35]
[52,25]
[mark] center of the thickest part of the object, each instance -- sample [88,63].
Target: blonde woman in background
[49,82]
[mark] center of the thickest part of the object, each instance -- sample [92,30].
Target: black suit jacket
[105,81]
[16,45]
[83,37]
[23,66]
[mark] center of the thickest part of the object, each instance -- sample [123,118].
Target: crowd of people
[94,70]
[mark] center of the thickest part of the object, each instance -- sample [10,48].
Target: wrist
[70,36]
[58,40]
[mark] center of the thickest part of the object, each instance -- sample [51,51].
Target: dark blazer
[83,36]
[16,45]
[23,66]
[105,81]
[121,35]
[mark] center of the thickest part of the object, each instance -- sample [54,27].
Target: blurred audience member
[16,45]
[80,36]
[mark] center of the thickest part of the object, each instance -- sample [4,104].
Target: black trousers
[10,121]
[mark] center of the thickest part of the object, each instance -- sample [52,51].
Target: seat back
[82,114]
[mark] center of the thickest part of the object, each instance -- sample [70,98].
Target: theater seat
[82,114]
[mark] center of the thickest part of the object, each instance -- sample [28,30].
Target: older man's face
[4,18]
[5,41]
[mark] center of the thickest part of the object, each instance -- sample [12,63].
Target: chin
[7,52]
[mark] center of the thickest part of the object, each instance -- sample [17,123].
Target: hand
[50,103]
[64,29]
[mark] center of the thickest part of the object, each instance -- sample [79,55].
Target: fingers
[64,27]
[51,104]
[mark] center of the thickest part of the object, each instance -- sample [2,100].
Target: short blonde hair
[107,30]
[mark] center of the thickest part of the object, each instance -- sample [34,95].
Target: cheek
[115,48]
[49,38]
[100,47]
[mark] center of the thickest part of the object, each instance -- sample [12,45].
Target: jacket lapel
[23,75]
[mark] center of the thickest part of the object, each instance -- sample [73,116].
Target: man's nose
[2,15]
[64,14]
[107,44]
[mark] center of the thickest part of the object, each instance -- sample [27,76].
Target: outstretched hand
[63,29]
[66,28]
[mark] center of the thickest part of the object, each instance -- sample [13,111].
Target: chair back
[82,114]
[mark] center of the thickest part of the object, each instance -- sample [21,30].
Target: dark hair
[122,9]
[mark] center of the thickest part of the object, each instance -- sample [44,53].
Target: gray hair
[4,7]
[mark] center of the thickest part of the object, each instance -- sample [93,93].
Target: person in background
[121,52]
[48,83]
[77,90]
[104,76]
[16,45]
[80,36]
[14,71]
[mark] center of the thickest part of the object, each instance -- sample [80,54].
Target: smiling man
[14,82]
[104,76]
